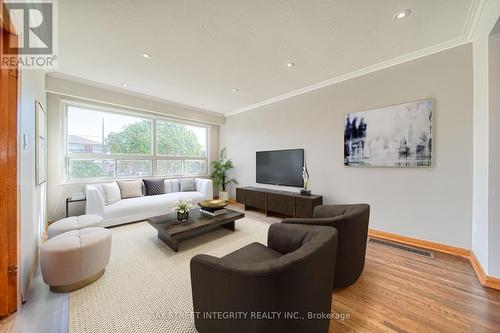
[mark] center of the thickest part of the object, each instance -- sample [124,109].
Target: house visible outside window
[106,144]
[78,144]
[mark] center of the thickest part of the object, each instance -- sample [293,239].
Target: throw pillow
[154,186]
[130,188]
[174,185]
[168,186]
[187,184]
[111,192]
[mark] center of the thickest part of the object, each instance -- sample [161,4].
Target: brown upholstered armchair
[351,222]
[268,289]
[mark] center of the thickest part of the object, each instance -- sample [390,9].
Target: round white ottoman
[73,223]
[74,259]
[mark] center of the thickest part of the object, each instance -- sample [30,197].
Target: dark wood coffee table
[171,231]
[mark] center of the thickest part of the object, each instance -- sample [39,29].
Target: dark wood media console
[275,201]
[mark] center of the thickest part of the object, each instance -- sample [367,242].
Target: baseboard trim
[428,245]
[26,291]
[485,280]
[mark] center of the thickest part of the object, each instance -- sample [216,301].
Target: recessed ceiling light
[403,14]
[146,55]
[235,90]
[124,85]
[290,65]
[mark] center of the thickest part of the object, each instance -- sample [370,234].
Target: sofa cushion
[171,185]
[154,186]
[111,192]
[254,252]
[130,188]
[168,186]
[140,208]
[187,184]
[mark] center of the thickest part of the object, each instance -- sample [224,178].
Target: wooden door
[8,182]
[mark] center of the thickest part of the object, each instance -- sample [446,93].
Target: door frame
[9,211]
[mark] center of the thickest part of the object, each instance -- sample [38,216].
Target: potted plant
[182,208]
[220,174]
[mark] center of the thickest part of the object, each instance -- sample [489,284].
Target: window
[195,167]
[104,144]
[174,139]
[179,146]
[81,169]
[134,168]
[169,167]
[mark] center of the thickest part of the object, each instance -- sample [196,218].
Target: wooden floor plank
[401,291]
[404,292]
[397,292]
[440,294]
[44,311]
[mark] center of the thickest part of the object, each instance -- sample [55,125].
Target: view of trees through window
[107,145]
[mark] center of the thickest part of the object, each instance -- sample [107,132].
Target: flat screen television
[280,167]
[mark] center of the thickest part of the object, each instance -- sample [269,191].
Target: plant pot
[182,216]
[223,195]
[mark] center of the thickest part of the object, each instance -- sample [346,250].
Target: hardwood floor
[405,292]
[397,292]
[44,311]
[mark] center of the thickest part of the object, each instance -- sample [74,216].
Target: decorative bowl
[213,204]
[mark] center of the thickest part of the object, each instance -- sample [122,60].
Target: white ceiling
[201,50]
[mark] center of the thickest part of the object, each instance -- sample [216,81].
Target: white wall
[481,222]
[494,177]
[58,189]
[32,197]
[434,204]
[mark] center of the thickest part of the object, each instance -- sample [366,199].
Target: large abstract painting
[393,136]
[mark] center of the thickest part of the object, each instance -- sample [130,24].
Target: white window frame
[153,157]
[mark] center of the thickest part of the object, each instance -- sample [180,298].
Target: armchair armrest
[205,186]
[286,283]
[220,285]
[95,201]
[208,273]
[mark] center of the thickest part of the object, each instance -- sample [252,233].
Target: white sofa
[140,208]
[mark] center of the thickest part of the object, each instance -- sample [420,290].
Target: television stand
[275,201]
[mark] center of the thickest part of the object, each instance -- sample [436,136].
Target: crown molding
[474,16]
[370,69]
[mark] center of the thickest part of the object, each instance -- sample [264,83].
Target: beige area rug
[147,286]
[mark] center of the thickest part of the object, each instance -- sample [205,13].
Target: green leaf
[220,170]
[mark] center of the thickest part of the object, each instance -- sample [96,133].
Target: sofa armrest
[95,201]
[205,186]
